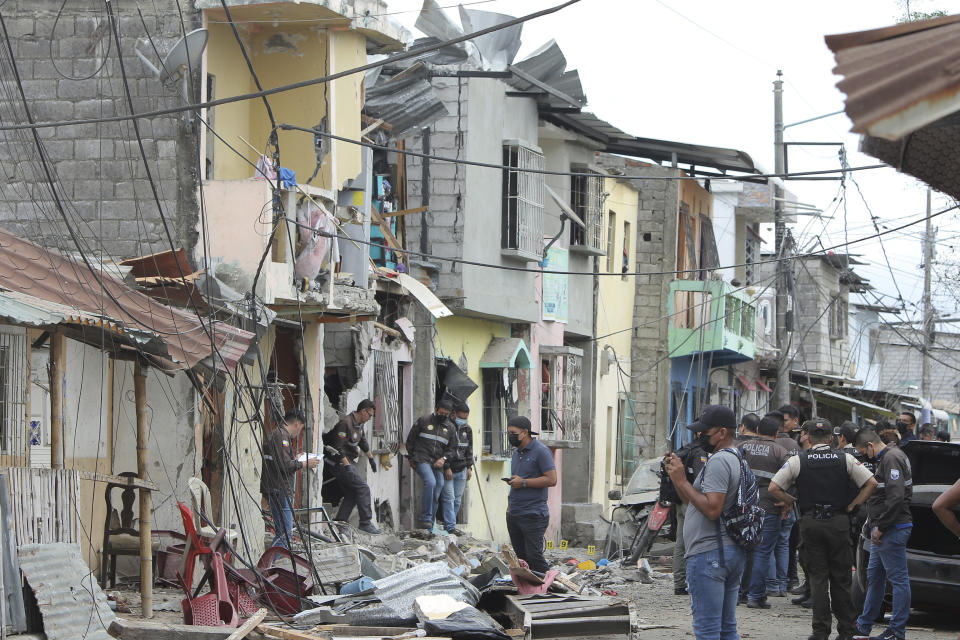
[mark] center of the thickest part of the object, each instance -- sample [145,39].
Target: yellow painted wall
[614,313]
[458,335]
[282,55]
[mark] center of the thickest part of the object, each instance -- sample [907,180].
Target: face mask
[513,439]
[705,443]
[460,421]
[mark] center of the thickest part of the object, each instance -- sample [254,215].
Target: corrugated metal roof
[62,286]
[899,78]
[72,604]
[405,101]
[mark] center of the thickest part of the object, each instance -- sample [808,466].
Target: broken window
[522,210]
[386,422]
[499,405]
[561,383]
[586,200]
[13,390]
[838,317]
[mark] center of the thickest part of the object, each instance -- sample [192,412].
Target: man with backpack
[715,557]
[821,476]
[693,459]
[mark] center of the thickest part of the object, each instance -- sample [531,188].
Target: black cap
[715,415]
[521,422]
[817,425]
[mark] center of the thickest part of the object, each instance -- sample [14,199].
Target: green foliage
[918,16]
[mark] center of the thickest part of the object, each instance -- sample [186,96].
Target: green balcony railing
[711,316]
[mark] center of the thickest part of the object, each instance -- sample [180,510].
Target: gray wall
[487,118]
[899,359]
[815,284]
[101,177]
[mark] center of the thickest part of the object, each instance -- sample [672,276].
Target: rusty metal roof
[899,78]
[66,291]
[72,604]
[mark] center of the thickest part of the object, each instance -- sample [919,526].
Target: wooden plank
[128,629]
[144,525]
[290,634]
[58,369]
[373,127]
[368,120]
[387,233]
[387,330]
[338,319]
[404,212]
[165,263]
[244,630]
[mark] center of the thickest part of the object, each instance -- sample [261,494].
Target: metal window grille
[522,213]
[561,408]
[838,317]
[611,238]
[386,424]
[13,391]
[586,200]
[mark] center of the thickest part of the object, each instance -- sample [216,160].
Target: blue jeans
[888,561]
[713,587]
[282,513]
[451,497]
[762,555]
[780,559]
[432,487]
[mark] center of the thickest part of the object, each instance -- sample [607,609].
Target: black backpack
[744,519]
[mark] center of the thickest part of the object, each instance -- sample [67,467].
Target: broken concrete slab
[128,629]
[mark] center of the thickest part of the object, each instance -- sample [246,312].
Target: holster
[822,511]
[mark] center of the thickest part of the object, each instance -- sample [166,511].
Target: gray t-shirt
[720,475]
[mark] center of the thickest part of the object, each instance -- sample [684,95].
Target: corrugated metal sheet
[899,78]
[63,282]
[406,102]
[72,604]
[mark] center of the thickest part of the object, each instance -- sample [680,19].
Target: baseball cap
[714,415]
[521,422]
[817,425]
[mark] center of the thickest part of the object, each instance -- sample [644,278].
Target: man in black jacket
[349,439]
[432,441]
[458,470]
[890,522]
[278,472]
[693,458]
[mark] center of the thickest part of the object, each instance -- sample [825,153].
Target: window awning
[746,382]
[506,353]
[763,385]
[839,397]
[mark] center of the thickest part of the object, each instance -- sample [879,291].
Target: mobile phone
[505,479]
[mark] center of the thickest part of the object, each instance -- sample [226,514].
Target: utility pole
[925,391]
[782,389]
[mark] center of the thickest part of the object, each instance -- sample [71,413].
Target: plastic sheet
[467,624]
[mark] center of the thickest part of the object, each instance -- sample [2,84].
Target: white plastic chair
[200,501]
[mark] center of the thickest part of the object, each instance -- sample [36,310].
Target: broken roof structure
[39,287]
[903,95]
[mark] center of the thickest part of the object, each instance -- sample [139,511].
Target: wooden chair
[122,540]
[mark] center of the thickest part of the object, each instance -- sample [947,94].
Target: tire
[858,590]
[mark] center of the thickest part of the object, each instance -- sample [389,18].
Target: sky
[702,72]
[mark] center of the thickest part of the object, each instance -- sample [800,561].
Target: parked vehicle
[649,515]
[933,552]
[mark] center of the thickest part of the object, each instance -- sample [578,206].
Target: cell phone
[505,479]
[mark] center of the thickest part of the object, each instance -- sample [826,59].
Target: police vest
[823,479]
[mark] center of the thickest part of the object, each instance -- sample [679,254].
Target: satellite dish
[184,55]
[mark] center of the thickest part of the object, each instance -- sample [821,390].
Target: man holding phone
[533,471]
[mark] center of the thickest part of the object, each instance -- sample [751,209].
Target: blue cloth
[532,461]
[888,561]
[432,487]
[780,559]
[288,179]
[713,587]
[282,513]
[452,497]
[773,524]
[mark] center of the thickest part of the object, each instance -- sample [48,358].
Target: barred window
[13,390]
[586,199]
[386,423]
[561,382]
[522,212]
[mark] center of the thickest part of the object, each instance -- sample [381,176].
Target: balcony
[711,318]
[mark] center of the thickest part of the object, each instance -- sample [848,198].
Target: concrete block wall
[816,282]
[100,176]
[447,185]
[900,363]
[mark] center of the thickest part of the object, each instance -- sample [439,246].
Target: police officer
[458,469]
[430,444]
[890,522]
[348,437]
[821,476]
[765,457]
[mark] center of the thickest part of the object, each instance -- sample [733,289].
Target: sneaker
[758,604]
[456,532]
[799,599]
[369,528]
[888,634]
[680,591]
[792,584]
[798,589]
[777,594]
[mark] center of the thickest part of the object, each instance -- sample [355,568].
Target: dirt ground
[656,605]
